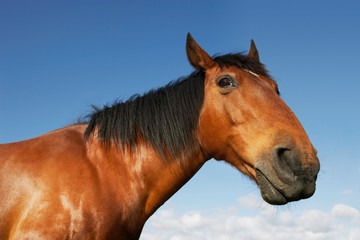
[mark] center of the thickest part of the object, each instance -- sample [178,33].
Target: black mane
[166,118]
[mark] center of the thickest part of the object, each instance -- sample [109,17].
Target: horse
[104,177]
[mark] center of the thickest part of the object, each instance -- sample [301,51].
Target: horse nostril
[280,153]
[284,155]
[285,160]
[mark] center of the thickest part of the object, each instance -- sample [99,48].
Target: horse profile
[102,179]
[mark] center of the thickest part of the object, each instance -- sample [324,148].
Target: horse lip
[269,192]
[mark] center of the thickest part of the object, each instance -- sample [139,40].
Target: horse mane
[166,118]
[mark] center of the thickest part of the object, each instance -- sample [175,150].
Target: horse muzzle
[289,176]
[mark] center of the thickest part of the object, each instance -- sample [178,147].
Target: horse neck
[165,178]
[144,179]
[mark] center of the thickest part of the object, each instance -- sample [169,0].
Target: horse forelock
[243,62]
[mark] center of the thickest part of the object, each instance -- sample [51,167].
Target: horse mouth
[269,192]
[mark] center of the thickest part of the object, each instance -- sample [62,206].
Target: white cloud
[342,210]
[340,222]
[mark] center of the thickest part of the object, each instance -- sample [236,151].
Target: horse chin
[268,191]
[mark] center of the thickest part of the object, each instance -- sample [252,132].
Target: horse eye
[226,82]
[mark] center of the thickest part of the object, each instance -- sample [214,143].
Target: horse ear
[253,52]
[198,58]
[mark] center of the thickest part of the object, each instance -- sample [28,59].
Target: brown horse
[104,178]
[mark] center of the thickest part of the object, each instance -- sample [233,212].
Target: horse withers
[104,178]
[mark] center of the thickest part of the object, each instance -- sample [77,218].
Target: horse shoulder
[49,183]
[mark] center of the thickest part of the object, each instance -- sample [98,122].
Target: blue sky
[59,57]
